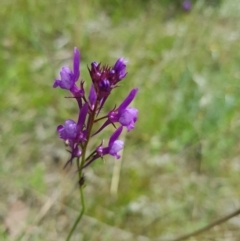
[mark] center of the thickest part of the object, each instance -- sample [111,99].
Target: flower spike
[104,79]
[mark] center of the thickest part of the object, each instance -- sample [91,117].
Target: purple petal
[94,64]
[56,83]
[120,68]
[120,64]
[66,81]
[128,99]
[76,152]
[92,96]
[101,151]
[128,117]
[115,136]
[115,148]
[69,77]
[60,130]
[70,128]
[82,116]
[76,63]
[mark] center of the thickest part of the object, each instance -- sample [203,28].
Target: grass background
[180,165]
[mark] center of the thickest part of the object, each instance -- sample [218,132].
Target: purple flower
[74,133]
[77,134]
[126,116]
[69,78]
[187,5]
[68,131]
[114,146]
[105,78]
[120,68]
[92,97]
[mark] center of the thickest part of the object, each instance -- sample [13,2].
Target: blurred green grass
[186,66]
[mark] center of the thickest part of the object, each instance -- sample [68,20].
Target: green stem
[207,227]
[79,216]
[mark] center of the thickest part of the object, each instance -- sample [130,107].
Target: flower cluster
[77,134]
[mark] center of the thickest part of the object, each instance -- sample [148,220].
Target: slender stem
[81,198]
[80,167]
[209,226]
[79,216]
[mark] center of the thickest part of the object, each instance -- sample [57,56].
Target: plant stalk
[79,216]
[80,167]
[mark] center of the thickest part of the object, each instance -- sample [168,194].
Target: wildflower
[105,78]
[114,146]
[74,133]
[68,131]
[77,135]
[126,116]
[69,77]
[120,69]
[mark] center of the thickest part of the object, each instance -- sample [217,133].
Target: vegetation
[181,164]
